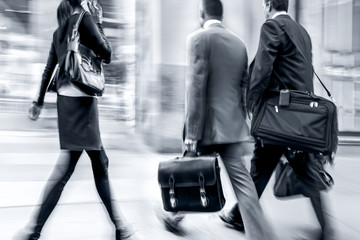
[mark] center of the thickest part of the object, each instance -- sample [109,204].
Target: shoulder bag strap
[312,67]
[75,31]
[81,15]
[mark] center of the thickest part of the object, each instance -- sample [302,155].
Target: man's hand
[250,115]
[191,145]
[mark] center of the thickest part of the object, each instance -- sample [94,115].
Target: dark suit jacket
[215,87]
[278,59]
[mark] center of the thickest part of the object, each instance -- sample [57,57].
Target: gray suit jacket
[215,88]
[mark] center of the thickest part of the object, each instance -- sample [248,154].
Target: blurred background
[141,112]
[26,29]
[145,81]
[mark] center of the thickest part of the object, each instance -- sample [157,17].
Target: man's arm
[244,86]
[264,60]
[195,87]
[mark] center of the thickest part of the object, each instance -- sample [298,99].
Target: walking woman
[78,118]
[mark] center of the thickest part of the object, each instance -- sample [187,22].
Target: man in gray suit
[215,109]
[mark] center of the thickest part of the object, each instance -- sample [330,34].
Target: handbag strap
[77,24]
[291,37]
[75,30]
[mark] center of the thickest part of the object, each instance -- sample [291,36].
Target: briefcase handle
[190,153]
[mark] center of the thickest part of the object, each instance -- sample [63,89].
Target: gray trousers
[232,155]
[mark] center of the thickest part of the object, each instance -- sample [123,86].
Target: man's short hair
[279,5]
[213,8]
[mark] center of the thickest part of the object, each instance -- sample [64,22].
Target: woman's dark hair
[75,3]
[64,11]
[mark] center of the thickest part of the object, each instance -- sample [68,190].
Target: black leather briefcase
[298,120]
[191,184]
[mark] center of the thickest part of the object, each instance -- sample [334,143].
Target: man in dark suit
[279,64]
[215,108]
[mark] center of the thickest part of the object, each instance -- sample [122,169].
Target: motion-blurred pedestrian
[78,119]
[215,110]
[278,61]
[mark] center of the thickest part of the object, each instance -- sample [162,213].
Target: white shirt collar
[211,22]
[279,13]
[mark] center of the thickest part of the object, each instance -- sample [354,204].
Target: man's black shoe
[171,222]
[173,225]
[229,220]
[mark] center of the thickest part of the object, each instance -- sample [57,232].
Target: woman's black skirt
[78,120]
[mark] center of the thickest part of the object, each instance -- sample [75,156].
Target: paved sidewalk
[25,166]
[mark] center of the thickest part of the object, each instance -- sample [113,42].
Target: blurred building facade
[145,81]
[161,30]
[26,29]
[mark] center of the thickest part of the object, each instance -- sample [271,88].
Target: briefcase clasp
[203,198]
[173,200]
[314,104]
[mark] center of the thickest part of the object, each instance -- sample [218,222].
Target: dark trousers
[263,164]
[62,173]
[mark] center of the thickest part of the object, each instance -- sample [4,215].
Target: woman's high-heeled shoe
[33,236]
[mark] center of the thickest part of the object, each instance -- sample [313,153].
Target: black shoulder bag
[82,66]
[297,119]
